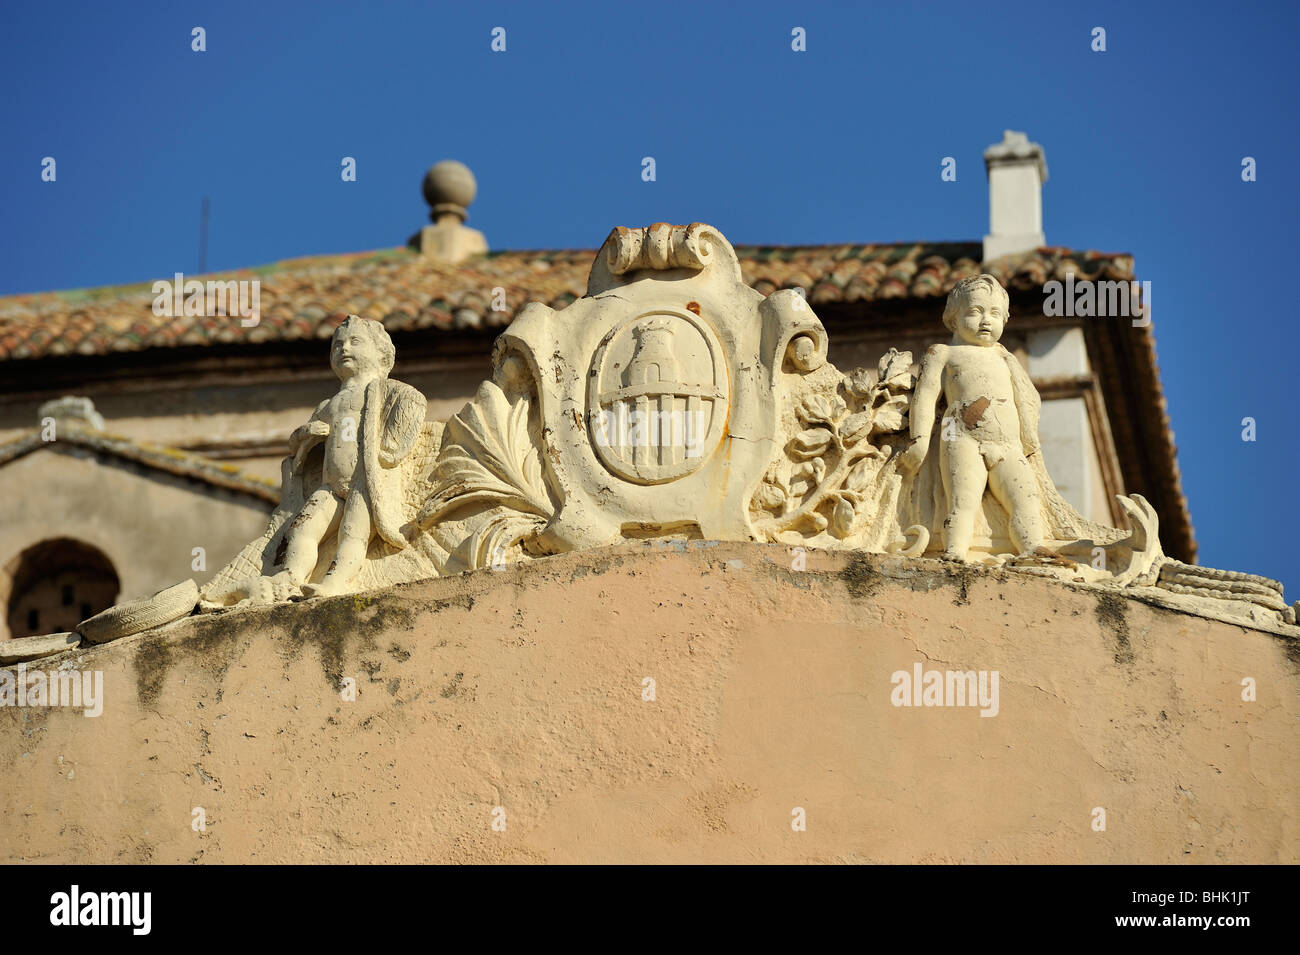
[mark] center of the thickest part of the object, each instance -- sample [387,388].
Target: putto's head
[361,347]
[977,310]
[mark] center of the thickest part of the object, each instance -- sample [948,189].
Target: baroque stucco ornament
[657,395]
[674,402]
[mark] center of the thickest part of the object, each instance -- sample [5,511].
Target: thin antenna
[203,237]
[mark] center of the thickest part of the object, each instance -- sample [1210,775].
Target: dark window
[52,581]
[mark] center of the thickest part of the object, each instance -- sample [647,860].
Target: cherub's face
[981,321]
[354,353]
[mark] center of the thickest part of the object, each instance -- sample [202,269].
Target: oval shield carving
[657,399]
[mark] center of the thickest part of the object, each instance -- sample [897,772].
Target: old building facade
[197,409]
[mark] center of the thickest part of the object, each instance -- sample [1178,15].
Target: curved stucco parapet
[686,702]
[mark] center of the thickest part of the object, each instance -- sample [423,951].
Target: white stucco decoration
[674,402]
[654,404]
[349,488]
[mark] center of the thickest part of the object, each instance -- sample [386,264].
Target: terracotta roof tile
[304,299]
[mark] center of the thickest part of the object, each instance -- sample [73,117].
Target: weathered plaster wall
[523,689]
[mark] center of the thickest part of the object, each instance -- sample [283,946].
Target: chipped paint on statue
[990,426]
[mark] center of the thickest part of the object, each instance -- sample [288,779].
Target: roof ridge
[302,299]
[159,456]
[100,292]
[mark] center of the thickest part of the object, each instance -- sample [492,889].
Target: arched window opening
[56,584]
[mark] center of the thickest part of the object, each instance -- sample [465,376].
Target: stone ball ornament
[449,186]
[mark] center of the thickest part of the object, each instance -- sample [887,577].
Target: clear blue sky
[841,143]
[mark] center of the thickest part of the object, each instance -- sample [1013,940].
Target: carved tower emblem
[657,401]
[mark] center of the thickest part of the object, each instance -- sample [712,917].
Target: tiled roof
[306,298]
[159,457]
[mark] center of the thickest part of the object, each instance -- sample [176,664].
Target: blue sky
[841,143]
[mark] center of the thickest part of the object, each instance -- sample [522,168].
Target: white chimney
[1017,170]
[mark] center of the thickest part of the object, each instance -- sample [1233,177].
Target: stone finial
[1017,170]
[449,188]
[73,410]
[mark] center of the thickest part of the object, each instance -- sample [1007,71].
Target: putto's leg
[318,517]
[964,478]
[354,540]
[1014,485]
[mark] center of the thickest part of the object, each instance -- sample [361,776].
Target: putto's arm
[924,399]
[306,437]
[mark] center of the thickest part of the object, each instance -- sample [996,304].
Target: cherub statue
[367,427]
[354,482]
[990,426]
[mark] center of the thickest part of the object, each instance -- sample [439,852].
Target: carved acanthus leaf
[488,458]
